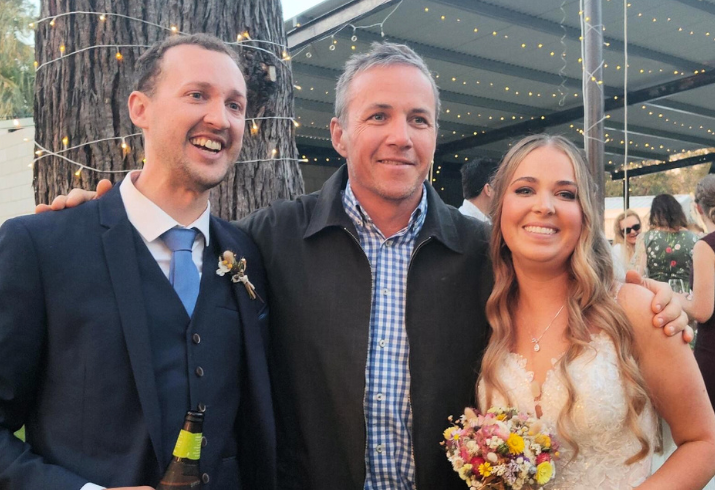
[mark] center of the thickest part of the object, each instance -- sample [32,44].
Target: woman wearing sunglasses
[626,229]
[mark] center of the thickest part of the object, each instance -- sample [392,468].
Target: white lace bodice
[605,442]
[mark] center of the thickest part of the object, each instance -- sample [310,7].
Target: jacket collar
[329,212]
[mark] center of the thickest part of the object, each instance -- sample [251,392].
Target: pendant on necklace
[537,348]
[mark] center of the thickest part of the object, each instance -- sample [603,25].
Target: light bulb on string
[62,49]
[102,17]
[174,29]
[119,56]
[65,142]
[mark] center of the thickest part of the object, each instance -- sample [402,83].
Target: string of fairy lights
[539,47]
[243,39]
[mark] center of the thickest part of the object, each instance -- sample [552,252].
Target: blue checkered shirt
[389,460]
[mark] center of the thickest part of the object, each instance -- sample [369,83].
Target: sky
[291,8]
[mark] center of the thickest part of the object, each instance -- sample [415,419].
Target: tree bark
[84,97]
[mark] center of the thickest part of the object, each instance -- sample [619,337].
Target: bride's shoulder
[636,301]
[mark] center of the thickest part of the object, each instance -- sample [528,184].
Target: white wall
[16,154]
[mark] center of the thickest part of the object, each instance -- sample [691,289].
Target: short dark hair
[148,67]
[475,175]
[666,211]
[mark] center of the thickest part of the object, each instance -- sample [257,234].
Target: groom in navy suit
[111,329]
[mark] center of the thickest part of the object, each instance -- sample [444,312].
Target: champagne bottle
[183,471]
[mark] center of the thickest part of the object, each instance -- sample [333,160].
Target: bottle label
[188,445]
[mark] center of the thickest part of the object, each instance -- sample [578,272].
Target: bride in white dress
[572,350]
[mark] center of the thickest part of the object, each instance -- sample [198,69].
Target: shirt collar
[361,219]
[149,219]
[471,209]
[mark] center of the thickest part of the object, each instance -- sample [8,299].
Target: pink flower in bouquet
[476,461]
[542,458]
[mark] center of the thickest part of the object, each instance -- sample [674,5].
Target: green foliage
[678,181]
[17,73]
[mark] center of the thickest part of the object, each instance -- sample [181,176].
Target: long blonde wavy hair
[591,304]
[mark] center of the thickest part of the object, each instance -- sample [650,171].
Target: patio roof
[501,73]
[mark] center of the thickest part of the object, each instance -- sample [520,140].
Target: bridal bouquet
[501,449]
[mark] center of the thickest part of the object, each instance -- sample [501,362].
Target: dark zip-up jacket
[320,290]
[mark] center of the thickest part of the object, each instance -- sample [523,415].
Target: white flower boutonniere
[228,264]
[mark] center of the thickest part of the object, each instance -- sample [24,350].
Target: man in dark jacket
[378,292]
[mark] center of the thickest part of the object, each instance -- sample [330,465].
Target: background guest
[476,189]
[699,305]
[665,252]
[626,228]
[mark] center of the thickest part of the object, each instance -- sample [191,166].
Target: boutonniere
[228,264]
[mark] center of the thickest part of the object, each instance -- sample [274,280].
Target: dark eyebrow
[379,106]
[416,110]
[421,110]
[207,86]
[532,180]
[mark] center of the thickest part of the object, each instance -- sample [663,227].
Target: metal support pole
[593,96]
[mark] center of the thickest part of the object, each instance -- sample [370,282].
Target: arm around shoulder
[700,307]
[678,393]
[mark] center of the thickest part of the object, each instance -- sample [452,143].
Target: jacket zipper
[409,358]
[369,339]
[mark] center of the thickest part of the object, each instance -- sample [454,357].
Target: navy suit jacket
[76,365]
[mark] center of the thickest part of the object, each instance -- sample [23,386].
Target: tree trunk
[84,97]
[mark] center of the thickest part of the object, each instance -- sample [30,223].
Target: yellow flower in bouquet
[544,472]
[543,440]
[451,433]
[485,469]
[515,443]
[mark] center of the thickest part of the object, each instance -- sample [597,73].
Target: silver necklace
[536,341]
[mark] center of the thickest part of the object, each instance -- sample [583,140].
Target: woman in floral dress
[665,252]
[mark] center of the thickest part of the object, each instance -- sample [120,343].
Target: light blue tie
[183,274]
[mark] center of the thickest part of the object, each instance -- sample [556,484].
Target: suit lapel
[255,378]
[225,241]
[121,258]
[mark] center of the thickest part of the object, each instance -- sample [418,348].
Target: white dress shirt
[151,222]
[469,209]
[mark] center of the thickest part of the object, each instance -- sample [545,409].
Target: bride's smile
[541,219]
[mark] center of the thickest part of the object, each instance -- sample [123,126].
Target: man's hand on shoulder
[667,311]
[75,198]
